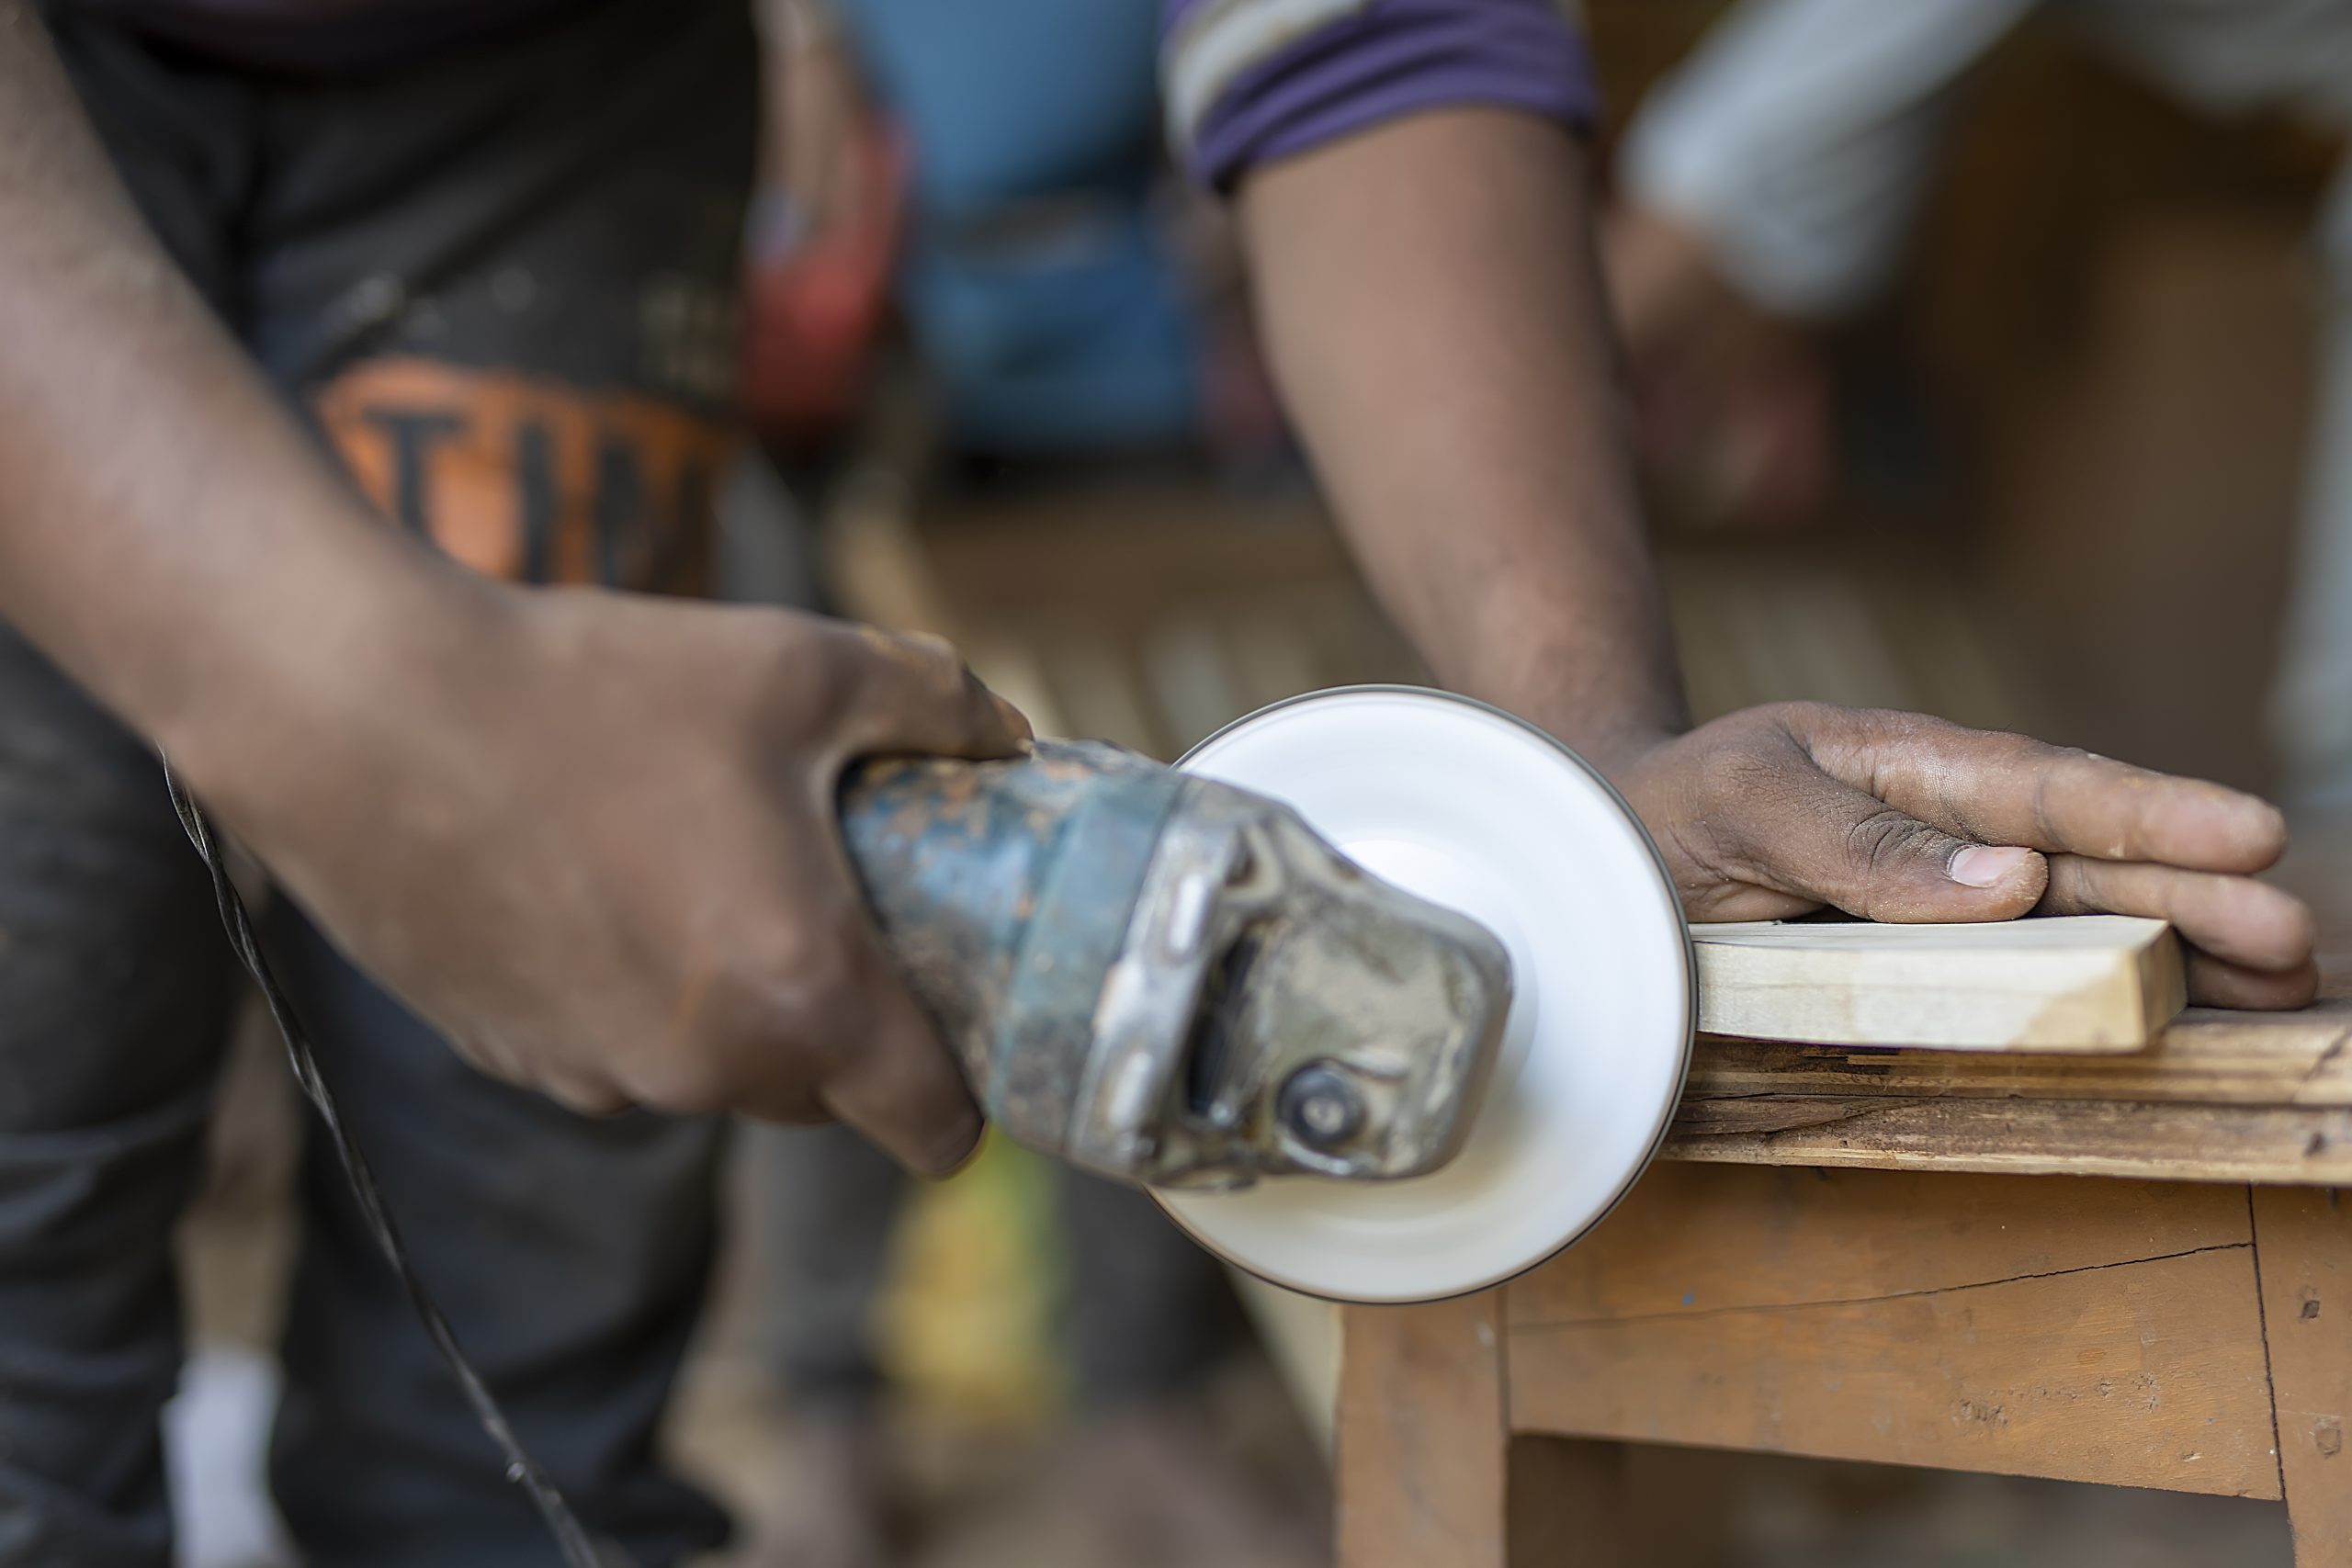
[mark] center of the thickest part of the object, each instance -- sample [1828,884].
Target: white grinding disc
[1470,807]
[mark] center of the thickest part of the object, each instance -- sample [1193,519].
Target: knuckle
[1815,727]
[1731,813]
[684,1081]
[2040,808]
[802,977]
[1886,839]
[931,648]
[943,677]
[584,1098]
[1733,772]
[808,684]
[1804,716]
[2073,885]
[1850,743]
[925,656]
[825,970]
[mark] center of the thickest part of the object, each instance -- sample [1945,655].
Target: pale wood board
[2303,1254]
[2131,1354]
[2084,983]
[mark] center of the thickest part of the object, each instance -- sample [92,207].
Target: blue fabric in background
[1040,281]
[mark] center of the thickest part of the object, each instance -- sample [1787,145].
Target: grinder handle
[1002,889]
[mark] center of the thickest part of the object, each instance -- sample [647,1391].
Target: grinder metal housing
[1175,982]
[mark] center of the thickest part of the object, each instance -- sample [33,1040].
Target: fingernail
[1015,720]
[1978,867]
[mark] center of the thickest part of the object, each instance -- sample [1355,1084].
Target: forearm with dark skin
[1433,307]
[166,533]
[1430,292]
[589,837]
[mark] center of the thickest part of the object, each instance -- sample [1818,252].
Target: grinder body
[1172,981]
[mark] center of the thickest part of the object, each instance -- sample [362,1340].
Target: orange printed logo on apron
[533,480]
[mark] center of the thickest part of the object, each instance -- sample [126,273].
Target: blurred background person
[1063,293]
[1770,184]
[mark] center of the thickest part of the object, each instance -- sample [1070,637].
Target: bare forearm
[1434,314]
[167,534]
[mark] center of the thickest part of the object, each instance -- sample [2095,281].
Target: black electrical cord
[570,1537]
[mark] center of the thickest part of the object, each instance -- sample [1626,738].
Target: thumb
[1825,839]
[915,694]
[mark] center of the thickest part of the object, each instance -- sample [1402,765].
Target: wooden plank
[1421,1452]
[1821,1320]
[2087,983]
[2140,1375]
[1130,549]
[2303,1254]
[2206,1056]
[1692,1238]
[2290,1146]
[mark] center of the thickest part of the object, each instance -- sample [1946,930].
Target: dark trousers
[502,287]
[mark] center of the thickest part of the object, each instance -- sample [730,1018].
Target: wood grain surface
[2156,1141]
[2206,1056]
[2020,1328]
[1423,1436]
[2303,1254]
[2217,1097]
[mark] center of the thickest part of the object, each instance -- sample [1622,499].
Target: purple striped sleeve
[1252,80]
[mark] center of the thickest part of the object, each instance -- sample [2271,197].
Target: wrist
[1614,731]
[326,665]
[1622,754]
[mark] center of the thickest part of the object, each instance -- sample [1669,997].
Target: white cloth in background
[216,1445]
[1800,137]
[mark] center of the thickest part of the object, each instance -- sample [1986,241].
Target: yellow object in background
[968,1319]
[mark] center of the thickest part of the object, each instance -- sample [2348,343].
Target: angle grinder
[1384,994]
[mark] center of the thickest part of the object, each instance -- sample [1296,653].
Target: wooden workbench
[2131,1269]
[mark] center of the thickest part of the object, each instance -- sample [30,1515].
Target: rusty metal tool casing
[1172,981]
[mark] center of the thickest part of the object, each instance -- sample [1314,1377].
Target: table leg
[1424,1437]
[2302,1238]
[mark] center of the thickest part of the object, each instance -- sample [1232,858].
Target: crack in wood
[1725,1116]
[2322,1063]
[1534,1323]
[2262,1321]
